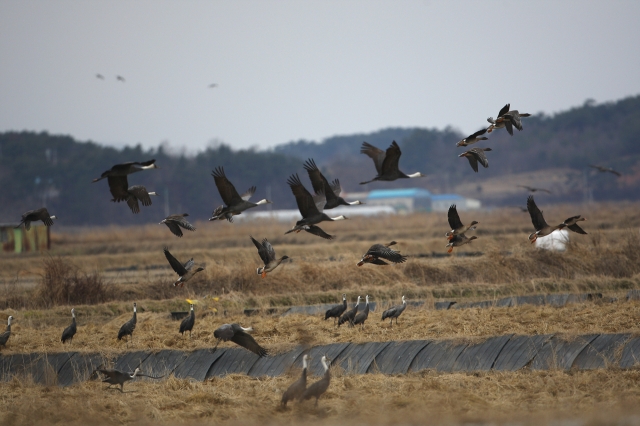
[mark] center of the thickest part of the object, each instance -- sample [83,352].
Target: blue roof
[377,194]
[446,197]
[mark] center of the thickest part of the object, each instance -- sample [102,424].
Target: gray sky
[289,70]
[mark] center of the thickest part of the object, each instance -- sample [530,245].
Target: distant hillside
[552,151]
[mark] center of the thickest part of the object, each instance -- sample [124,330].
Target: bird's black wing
[248,193]
[263,251]
[508,124]
[316,230]
[536,215]
[174,228]
[392,158]
[43,215]
[376,154]
[132,202]
[480,156]
[141,193]
[226,189]
[473,161]
[454,218]
[175,264]
[476,134]
[318,181]
[247,341]
[305,202]
[504,110]
[118,186]
[379,250]
[576,228]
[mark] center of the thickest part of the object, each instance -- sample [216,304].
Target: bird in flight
[120,78]
[212,85]
[100,76]
[605,169]
[532,189]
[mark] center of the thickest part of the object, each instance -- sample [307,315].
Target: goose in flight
[456,224]
[268,256]
[138,193]
[507,119]
[184,270]
[240,336]
[473,138]
[307,207]
[572,224]
[327,195]
[541,226]
[235,203]
[177,221]
[34,215]
[386,162]
[475,155]
[377,252]
[459,240]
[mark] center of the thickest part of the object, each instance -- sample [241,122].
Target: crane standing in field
[70,331]
[317,389]
[128,327]
[395,311]
[337,310]
[188,322]
[297,388]
[4,337]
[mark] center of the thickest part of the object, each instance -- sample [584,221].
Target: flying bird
[377,252]
[268,256]
[456,224]
[117,178]
[541,226]
[459,240]
[386,162]
[235,203]
[307,207]
[100,76]
[184,270]
[316,230]
[120,78]
[532,189]
[34,215]
[605,169]
[177,221]
[475,155]
[327,195]
[212,85]
[138,193]
[473,138]
[572,224]
[508,119]
[240,336]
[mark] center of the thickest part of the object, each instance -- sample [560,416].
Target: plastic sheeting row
[500,353]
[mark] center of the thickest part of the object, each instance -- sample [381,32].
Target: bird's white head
[366,298]
[136,372]
[403,301]
[73,312]
[135,307]
[9,320]
[305,361]
[324,362]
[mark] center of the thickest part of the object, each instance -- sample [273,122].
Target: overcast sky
[290,70]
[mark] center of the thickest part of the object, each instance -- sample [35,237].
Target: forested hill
[554,151]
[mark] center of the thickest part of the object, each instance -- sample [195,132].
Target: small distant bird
[605,169]
[541,226]
[459,240]
[297,388]
[188,322]
[100,76]
[473,138]
[361,317]
[327,195]
[235,203]
[34,215]
[120,78]
[4,337]
[349,315]
[129,326]
[377,252]
[212,85]
[395,312]
[475,155]
[532,189]
[337,310]
[70,331]
[240,336]
[572,224]
[268,256]
[386,162]
[138,193]
[317,389]
[456,224]
[175,221]
[184,270]
[115,377]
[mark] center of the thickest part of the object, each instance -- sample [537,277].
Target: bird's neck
[265,201]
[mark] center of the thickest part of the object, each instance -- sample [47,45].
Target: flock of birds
[326,196]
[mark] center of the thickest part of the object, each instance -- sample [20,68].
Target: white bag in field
[556,241]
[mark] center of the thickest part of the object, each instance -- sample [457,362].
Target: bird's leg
[264,274]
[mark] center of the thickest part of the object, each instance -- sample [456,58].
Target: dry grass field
[101,271]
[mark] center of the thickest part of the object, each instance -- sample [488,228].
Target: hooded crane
[297,388]
[175,222]
[238,335]
[473,138]
[541,226]
[395,312]
[70,331]
[572,224]
[327,195]
[7,333]
[138,193]
[317,389]
[361,317]
[377,252]
[308,209]
[34,215]
[184,270]
[456,224]
[386,162]
[188,322]
[603,169]
[337,310]
[128,327]
[349,315]
[115,377]
[268,256]
[459,240]
[117,177]
[235,203]
[475,155]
